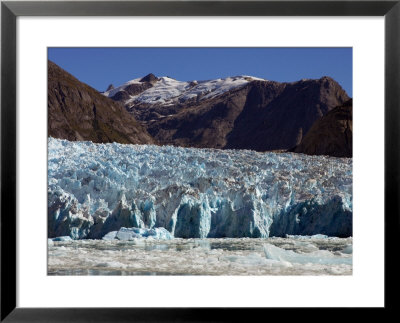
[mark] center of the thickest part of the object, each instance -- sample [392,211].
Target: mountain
[331,135]
[241,112]
[78,112]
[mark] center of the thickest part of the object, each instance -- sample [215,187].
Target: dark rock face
[198,125]
[132,89]
[262,115]
[120,96]
[110,87]
[151,78]
[78,112]
[330,135]
[135,89]
[277,116]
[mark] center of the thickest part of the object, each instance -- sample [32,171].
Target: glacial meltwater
[293,255]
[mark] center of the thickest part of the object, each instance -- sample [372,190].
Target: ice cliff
[95,189]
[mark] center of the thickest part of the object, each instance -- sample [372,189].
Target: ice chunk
[158,233]
[306,237]
[127,234]
[137,233]
[319,236]
[111,235]
[322,257]
[348,249]
[63,238]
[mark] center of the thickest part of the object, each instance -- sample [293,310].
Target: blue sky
[100,67]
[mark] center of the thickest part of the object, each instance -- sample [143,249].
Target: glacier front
[95,189]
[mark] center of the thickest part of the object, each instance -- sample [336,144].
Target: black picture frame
[10,10]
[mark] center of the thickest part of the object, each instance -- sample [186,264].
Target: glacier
[97,189]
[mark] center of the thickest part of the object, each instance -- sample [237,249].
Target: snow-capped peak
[110,93]
[166,90]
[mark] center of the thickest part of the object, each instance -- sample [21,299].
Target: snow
[168,91]
[115,90]
[94,189]
[162,92]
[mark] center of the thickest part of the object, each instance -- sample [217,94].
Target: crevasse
[94,189]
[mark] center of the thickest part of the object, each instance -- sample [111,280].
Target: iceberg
[110,236]
[94,190]
[322,257]
[127,234]
[64,238]
[348,249]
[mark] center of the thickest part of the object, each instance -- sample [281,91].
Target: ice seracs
[94,189]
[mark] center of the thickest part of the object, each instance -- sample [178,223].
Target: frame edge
[8,161]
[8,151]
[392,146]
[203,8]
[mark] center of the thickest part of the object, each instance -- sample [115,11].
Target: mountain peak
[327,79]
[110,87]
[149,78]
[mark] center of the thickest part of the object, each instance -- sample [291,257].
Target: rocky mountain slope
[239,112]
[78,112]
[331,135]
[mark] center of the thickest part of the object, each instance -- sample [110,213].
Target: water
[228,256]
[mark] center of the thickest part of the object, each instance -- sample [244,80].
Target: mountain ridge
[240,112]
[78,112]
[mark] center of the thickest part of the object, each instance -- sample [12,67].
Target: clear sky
[100,67]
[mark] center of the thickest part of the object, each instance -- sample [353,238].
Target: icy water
[294,255]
